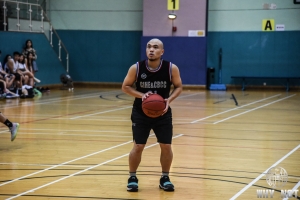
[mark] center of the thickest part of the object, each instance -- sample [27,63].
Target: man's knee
[165,147]
[138,148]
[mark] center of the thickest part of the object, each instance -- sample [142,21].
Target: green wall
[49,66]
[115,15]
[245,15]
[101,56]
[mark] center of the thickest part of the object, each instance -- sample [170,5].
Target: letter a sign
[268,25]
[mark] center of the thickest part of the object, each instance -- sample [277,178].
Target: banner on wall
[196,33]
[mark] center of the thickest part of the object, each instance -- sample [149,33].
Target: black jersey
[157,81]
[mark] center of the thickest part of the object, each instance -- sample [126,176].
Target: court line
[68,98]
[5,183]
[107,111]
[294,188]
[195,121]
[43,165]
[68,130]
[79,172]
[265,172]
[254,109]
[188,95]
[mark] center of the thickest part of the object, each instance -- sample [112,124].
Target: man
[13,65]
[152,71]
[13,127]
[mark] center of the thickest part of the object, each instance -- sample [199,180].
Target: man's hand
[146,95]
[167,106]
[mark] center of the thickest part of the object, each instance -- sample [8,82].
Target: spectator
[27,75]
[13,66]
[29,48]
[5,82]
[7,57]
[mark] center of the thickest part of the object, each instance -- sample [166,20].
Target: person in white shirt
[27,75]
[13,65]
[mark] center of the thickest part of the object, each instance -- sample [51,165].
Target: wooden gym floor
[75,145]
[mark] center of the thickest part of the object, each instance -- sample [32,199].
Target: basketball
[153,106]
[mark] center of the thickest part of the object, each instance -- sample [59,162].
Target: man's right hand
[146,95]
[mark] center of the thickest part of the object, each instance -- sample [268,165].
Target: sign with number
[173,4]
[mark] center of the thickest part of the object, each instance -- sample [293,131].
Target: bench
[287,79]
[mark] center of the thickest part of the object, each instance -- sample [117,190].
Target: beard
[153,59]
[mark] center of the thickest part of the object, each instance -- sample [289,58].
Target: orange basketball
[153,106]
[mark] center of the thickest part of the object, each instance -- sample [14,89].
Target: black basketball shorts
[141,126]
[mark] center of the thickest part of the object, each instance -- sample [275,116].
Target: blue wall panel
[188,53]
[49,65]
[101,56]
[255,54]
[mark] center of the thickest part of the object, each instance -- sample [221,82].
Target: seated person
[13,65]
[27,75]
[9,79]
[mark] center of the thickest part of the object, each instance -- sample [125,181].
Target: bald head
[157,42]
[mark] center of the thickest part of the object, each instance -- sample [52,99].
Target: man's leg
[135,157]
[13,127]
[166,157]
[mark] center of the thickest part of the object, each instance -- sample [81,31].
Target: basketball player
[13,127]
[153,75]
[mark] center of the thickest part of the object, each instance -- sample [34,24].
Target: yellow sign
[173,4]
[268,25]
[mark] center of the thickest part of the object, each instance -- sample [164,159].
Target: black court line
[219,101]
[118,97]
[141,173]
[213,179]
[101,97]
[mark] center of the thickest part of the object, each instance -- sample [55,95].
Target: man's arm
[176,80]
[129,81]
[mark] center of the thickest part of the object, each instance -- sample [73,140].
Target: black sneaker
[132,184]
[166,184]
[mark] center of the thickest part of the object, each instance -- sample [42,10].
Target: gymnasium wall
[188,53]
[49,66]
[236,27]
[102,37]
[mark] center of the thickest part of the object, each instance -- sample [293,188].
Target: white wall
[247,15]
[24,26]
[96,14]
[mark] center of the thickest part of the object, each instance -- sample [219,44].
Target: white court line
[294,188]
[67,162]
[254,109]
[187,95]
[68,130]
[107,111]
[265,172]
[4,131]
[195,121]
[43,165]
[82,96]
[79,172]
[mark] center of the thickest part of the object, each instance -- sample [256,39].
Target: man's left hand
[167,106]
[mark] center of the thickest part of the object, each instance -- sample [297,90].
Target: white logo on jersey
[143,76]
